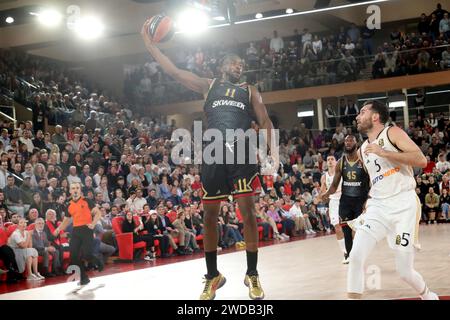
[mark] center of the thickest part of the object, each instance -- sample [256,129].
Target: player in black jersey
[355,188]
[228,105]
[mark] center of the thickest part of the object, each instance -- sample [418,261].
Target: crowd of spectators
[304,59]
[425,50]
[55,93]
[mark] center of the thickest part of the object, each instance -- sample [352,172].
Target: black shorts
[350,207]
[222,180]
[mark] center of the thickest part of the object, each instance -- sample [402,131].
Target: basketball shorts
[395,218]
[333,210]
[350,207]
[219,181]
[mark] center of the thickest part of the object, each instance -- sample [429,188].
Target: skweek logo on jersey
[231,103]
[381,142]
[352,183]
[388,173]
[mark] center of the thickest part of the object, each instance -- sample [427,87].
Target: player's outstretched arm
[264,122]
[410,154]
[335,184]
[323,186]
[186,78]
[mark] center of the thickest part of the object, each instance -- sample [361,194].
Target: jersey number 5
[378,166]
[405,238]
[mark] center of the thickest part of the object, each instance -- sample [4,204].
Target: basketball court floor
[306,269]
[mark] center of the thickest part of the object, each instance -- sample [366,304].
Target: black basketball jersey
[228,106]
[355,180]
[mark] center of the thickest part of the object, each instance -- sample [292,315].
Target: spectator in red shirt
[268,181]
[197,184]
[430,165]
[295,157]
[288,187]
[238,214]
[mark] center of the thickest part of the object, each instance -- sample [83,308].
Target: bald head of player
[350,144]
[232,67]
[372,114]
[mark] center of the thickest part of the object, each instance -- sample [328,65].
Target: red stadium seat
[260,232]
[11,229]
[3,237]
[172,215]
[3,241]
[199,239]
[125,240]
[7,224]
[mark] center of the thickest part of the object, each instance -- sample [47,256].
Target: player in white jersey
[393,210]
[333,206]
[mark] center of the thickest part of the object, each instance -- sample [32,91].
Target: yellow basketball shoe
[211,285]
[255,291]
[240,245]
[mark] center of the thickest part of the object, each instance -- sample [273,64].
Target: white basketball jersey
[387,178]
[329,182]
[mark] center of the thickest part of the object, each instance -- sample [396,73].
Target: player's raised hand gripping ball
[160,28]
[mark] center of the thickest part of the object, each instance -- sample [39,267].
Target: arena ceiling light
[9,20]
[259,15]
[219,18]
[218,25]
[48,17]
[397,104]
[397,101]
[365,3]
[305,114]
[192,21]
[289,10]
[429,93]
[89,28]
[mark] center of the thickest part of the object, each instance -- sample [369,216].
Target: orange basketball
[161,28]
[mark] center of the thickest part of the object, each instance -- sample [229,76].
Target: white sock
[342,245]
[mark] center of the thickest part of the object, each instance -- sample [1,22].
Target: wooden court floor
[307,269]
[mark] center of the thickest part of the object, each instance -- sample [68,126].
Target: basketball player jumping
[333,205]
[228,105]
[351,177]
[393,208]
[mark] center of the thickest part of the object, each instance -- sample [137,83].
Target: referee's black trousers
[81,248]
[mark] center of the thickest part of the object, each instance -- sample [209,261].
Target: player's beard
[364,126]
[351,150]
[232,78]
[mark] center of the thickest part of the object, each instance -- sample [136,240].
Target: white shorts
[396,218]
[333,210]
